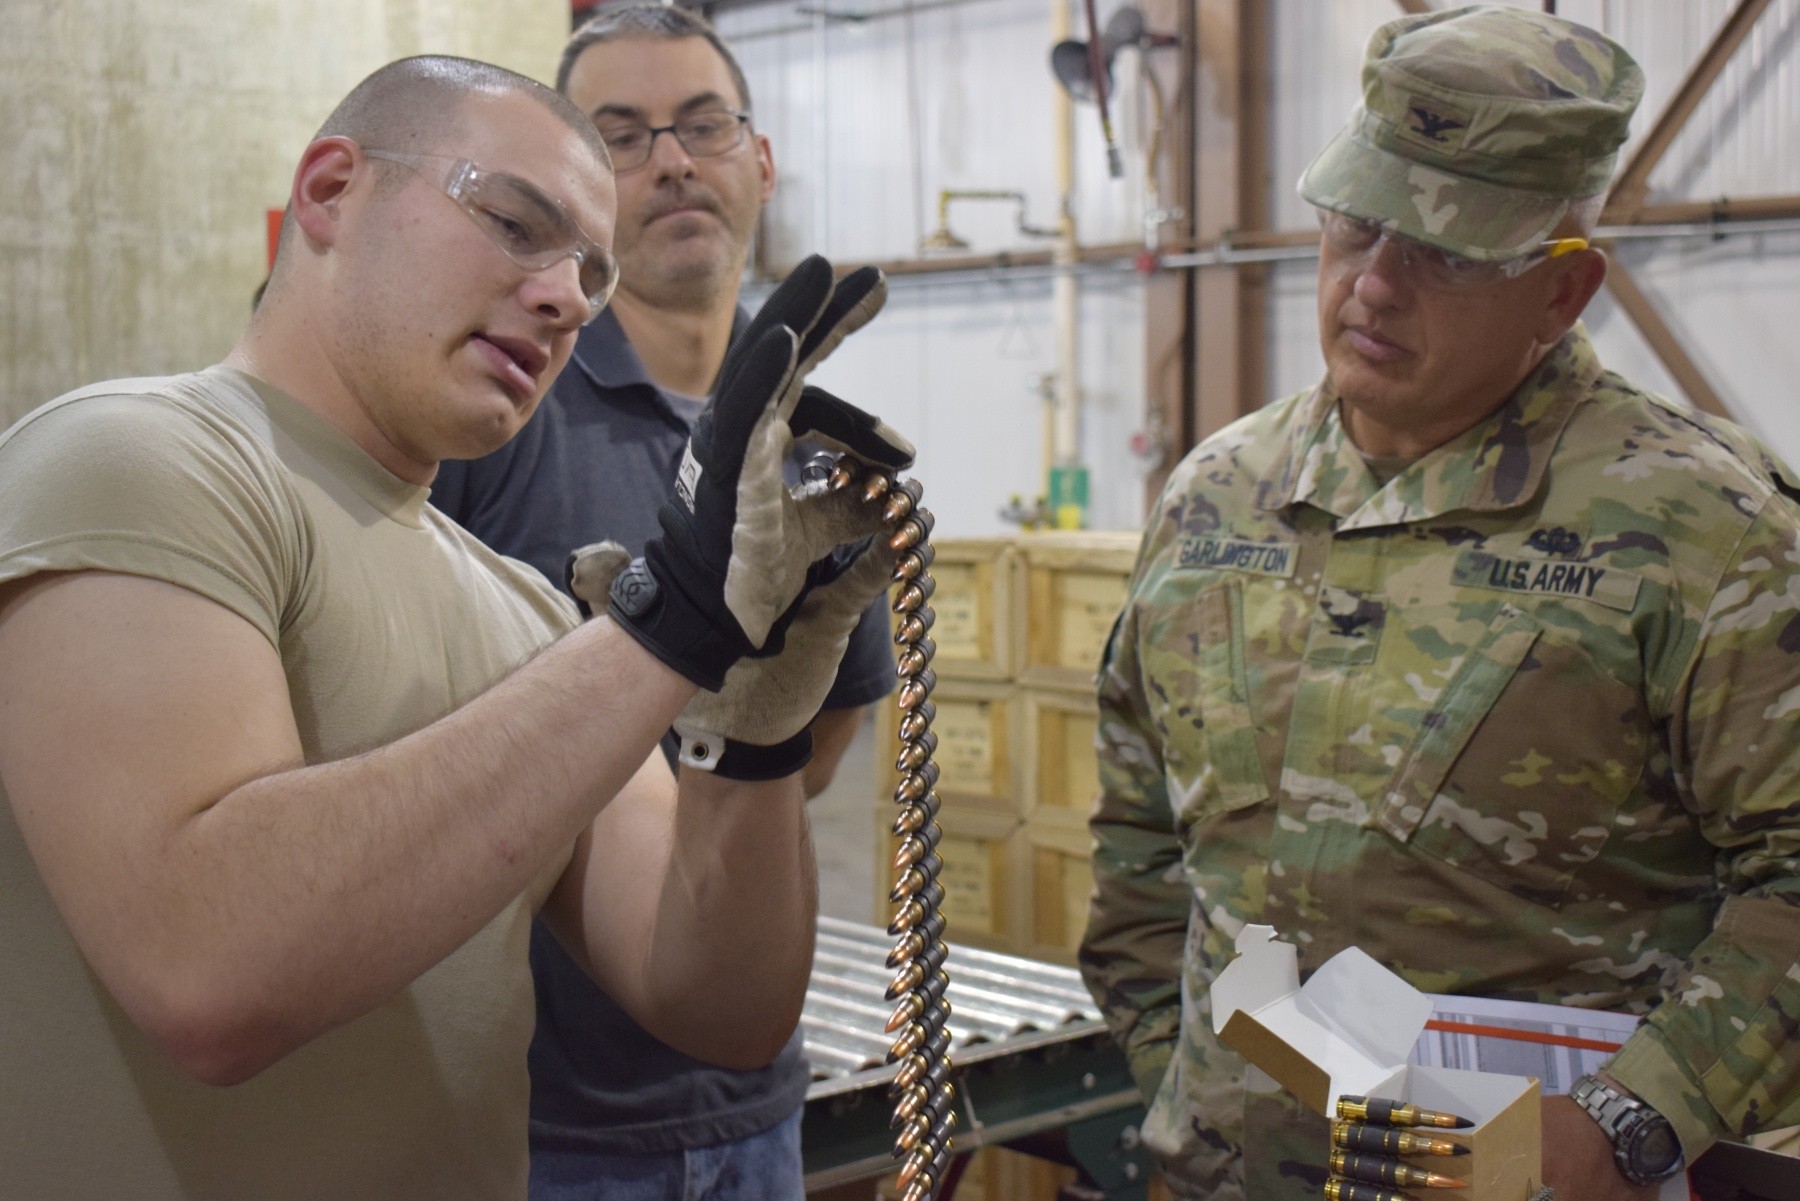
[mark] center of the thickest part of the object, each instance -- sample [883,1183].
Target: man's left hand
[1578,1158]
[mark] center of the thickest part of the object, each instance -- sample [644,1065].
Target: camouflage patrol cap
[1478,128]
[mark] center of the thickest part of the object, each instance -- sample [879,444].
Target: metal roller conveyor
[861,1006]
[1035,1069]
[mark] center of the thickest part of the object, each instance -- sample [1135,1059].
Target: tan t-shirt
[387,615]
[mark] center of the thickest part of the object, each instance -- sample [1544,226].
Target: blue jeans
[763,1167]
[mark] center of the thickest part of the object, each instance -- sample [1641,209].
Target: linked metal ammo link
[924,1097]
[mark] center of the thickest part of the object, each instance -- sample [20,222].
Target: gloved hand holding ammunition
[756,726]
[737,552]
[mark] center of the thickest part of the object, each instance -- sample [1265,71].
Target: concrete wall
[142,143]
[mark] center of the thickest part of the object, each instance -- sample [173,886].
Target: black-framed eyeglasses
[532,229]
[709,132]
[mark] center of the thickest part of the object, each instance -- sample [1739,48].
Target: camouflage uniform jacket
[1524,722]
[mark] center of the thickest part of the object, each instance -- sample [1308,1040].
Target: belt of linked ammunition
[924,1097]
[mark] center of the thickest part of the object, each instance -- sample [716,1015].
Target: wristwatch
[1644,1144]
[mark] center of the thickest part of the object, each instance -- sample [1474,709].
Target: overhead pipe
[943,238]
[1272,247]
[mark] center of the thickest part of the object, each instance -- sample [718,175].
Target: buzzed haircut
[413,104]
[664,22]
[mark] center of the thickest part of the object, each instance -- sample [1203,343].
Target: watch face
[1657,1148]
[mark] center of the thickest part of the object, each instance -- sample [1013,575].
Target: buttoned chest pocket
[1198,659]
[1519,771]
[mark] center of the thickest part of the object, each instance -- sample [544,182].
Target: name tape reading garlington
[1236,554]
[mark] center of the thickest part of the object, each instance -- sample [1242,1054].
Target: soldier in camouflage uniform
[1474,656]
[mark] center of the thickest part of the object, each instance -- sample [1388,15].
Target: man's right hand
[1578,1157]
[732,562]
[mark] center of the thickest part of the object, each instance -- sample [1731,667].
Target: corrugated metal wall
[1731,301]
[870,119]
[869,124]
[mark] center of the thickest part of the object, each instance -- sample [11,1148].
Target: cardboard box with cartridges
[1349,1030]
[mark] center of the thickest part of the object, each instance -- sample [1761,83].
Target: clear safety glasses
[533,230]
[1357,241]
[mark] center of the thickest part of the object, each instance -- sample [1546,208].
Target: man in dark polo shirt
[615,1113]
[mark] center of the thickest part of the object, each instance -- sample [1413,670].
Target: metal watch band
[1622,1119]
[1605,1105]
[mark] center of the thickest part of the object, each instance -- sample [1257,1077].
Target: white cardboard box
[1349,1029]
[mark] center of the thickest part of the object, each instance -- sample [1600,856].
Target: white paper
[1557,1063]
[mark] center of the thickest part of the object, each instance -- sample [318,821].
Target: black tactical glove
[757,726]
[736,550]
